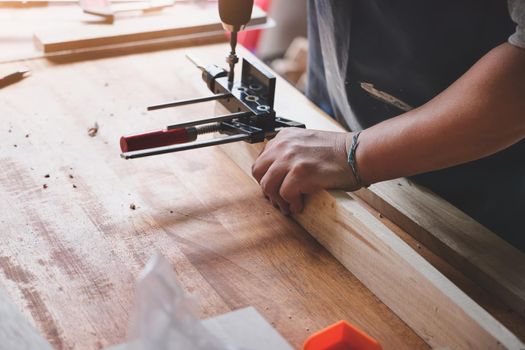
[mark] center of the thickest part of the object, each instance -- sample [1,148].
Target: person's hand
[301,161]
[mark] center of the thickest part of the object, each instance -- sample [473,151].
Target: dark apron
[413,50]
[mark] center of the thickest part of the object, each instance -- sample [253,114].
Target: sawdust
[93,130]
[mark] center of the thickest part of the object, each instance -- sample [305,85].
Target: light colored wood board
[471,248]
[15,331]
[450,233]
[77,251]
[181,21]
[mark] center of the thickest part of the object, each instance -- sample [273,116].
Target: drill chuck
[235,14]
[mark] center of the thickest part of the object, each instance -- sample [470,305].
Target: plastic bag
[164,318]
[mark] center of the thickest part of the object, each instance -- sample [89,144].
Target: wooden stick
[448,232]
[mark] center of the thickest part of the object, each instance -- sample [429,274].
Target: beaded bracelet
[352,160]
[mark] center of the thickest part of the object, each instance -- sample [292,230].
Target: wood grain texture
[450,233]
[70,253]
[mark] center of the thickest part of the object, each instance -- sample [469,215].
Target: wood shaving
[93,130]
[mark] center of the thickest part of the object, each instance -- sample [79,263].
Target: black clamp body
[250,102]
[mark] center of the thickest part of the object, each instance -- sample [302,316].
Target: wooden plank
[453,235]
[175,22]
[83,246]
[425,299]
[15,331]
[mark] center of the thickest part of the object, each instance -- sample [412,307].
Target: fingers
[271,183]
[266,158]
[261,166]
[292,189]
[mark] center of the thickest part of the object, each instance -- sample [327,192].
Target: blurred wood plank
[184,24]
[181,21]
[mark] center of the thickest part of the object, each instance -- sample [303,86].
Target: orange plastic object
[341,336]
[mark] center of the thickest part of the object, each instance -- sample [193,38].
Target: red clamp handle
[156,139]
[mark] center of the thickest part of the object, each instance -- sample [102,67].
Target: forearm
[480,114]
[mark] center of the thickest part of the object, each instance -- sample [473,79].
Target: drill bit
[232,58]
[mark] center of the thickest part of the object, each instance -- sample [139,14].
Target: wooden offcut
[453,235]
[173,23]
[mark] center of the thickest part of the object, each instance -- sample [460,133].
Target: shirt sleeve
[517,13]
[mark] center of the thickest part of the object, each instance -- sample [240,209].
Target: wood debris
[93,130]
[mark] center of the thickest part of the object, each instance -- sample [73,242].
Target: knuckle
[287,155]
[300,169]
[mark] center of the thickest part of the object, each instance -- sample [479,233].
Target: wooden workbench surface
[70,253]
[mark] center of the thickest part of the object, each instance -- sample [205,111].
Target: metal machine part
[251,119]
[235,14]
